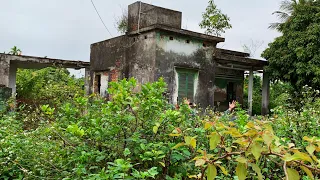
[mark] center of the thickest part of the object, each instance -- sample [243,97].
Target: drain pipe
[139,18]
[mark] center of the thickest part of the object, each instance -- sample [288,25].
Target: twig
[285,170]
[64,140]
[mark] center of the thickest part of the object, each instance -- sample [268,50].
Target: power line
[101,18]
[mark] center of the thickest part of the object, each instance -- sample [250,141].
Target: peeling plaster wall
[174,51]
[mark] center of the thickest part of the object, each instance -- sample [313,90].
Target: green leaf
[178,145]
[241,160]
[126,152]
[308,172]
[241,171]
[214,140]
[155,129]
[100,158]
[293,174]
[311,148]
[162,164]
[224,171]
[200,162]
[267,139]
[211,172]
[257,170]
[256,150]
[191,141]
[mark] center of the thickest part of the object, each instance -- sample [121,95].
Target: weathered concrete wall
[124,57]
[110,56]
[4,70]
[150,15]
[177,51]
[141,57]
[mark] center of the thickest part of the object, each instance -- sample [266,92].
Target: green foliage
[122,22]
[47,83]
[214,21]
[15,51]
[138,135]
[284,14]
[50,87]
[280,95]
[294,57]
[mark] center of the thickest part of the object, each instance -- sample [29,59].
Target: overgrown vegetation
[294,56]
[138,135]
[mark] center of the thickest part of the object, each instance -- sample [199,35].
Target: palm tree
[15,51]
[286,9]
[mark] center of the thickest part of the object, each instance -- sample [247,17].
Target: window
[186,84]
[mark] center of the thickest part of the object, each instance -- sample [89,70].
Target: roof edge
[179,31]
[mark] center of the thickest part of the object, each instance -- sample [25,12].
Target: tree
[15,51]
[214,21]
[252,47]
[294,57]
[286,9]
[121,22]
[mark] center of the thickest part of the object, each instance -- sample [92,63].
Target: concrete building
[155,46]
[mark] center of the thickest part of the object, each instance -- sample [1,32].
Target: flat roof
[23,61]
[179,31]
[240,60]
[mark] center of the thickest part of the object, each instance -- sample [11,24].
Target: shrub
[139,135]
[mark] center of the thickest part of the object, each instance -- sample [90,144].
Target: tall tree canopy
[295,56]
[285,11]
[214,21]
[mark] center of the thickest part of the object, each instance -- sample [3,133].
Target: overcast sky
[66,28]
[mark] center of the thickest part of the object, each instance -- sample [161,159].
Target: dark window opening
[98,83]
[145,37]
[204,45]
[171,38]
[188,41]
[134,39]
[231,92]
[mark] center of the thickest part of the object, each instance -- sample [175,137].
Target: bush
[139,135]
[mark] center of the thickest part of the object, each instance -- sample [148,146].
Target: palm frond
[287,5]
[281,15]
[275,26]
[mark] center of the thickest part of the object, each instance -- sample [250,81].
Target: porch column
[12,78]
[265,94]
[87,81]
[250,90]
[4,71]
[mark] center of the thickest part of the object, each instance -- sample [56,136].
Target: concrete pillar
[250,90]
[4,70]
[265,94]
[87,80]
[12,78]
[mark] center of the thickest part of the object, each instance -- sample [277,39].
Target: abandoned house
[193,67]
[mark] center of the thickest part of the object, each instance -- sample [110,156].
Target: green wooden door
[186,85]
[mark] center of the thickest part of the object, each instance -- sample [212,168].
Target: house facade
[156,46]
